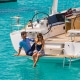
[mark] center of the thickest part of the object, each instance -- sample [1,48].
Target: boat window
[56,18]
[52,19]
[60,17]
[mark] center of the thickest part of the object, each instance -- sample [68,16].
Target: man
[25,44]
[30,23]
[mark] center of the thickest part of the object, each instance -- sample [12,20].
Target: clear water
[20,68]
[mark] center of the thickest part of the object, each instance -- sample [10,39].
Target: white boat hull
[56,59]
[16,37]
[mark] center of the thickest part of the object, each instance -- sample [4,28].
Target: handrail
[17,23]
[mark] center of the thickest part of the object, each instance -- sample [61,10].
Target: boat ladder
[64,61]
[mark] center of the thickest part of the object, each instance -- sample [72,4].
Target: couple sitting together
[36,50]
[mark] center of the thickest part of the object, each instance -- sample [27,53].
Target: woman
[39,48]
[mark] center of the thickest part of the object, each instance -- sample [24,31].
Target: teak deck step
[54,49]
[61,56]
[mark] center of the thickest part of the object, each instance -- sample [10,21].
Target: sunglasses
[39,37]
[22,34]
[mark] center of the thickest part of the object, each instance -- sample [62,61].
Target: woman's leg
[34,56]
[38,55]
[37,58]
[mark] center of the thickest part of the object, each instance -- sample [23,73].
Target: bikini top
[38,47]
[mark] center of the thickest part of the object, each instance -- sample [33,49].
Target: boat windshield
[56,18]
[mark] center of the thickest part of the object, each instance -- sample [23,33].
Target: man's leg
[29,53]
[33,47]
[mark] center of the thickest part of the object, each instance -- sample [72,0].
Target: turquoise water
[20,68]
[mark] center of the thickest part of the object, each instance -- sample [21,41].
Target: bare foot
[34,65]
[16,55]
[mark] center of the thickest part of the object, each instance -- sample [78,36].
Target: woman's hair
[40,35]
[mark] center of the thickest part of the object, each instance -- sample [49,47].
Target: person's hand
[16,54]
[40,51]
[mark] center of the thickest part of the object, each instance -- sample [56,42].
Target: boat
[3,1]
[61,41]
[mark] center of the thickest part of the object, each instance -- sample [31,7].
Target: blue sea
[21,68]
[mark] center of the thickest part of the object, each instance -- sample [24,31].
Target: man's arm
[20,47]
[19,51]
[31,39]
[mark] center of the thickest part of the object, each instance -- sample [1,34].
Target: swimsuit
[27,47]
[38,49]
